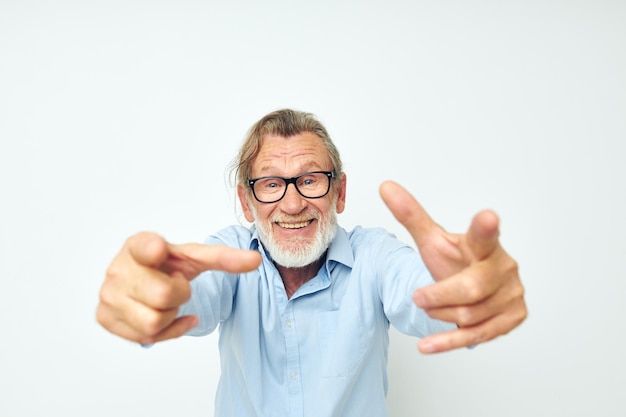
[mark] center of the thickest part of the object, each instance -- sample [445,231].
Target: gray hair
[285,123]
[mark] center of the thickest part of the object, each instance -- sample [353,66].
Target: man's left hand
[477,282]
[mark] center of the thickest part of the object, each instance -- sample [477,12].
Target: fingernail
[427,347]
[193,322]
[419,299]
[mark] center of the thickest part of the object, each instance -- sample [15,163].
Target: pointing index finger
[192,259]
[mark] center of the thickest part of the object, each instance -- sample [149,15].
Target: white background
[121,116]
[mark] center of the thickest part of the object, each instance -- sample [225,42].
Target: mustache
[303,217]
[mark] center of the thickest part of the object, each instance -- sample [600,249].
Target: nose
[292,202]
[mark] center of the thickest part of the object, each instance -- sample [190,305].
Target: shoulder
[376,245]
[375,237]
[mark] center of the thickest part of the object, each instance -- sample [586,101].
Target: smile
[299,225]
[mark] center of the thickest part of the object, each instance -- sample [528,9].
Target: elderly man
[304,306]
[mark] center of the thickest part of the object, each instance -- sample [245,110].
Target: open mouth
[298,225]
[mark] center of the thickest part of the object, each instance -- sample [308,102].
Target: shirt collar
[255,242]
[340,249]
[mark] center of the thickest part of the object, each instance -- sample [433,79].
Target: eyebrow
[307,167]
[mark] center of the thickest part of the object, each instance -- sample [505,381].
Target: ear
[341,194]
[245,204]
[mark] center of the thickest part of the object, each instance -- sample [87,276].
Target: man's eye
[270,184]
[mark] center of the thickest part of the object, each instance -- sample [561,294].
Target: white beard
[298,252]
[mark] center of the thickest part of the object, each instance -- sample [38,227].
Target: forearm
[211,301]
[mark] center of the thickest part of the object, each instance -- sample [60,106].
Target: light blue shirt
[324,351]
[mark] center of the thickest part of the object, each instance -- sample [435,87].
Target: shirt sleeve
[212,292]
[211,301]
[400,271]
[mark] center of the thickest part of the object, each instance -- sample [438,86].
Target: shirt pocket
[342,342]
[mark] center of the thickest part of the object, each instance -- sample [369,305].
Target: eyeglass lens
[310,185]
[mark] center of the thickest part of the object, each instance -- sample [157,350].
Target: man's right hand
[149,280]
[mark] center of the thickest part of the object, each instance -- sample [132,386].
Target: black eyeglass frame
[293,180]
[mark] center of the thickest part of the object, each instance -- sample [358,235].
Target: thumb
[147,249]
[482,236]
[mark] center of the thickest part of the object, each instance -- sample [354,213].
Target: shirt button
[289,324]
[294,375]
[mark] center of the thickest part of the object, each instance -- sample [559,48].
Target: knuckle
[107,295]
[515,293]
[511,267]
[505,327]
[478,337]
[164,294]
[518,290]
[475,290]
[483,333]
[102,317]
[465,316]
[171,292]
[522,314]
[506,268]
[152,325]
[113,271]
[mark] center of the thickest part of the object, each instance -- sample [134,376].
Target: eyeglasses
[314,184]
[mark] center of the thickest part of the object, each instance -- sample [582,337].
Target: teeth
[294,225]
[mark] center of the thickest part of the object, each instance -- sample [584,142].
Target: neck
[294,278]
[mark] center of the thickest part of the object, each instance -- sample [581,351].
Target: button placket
[292,370]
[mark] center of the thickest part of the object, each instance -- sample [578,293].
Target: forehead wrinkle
[284,158]
[305,167]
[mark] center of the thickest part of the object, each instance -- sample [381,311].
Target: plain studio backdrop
[121,116]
